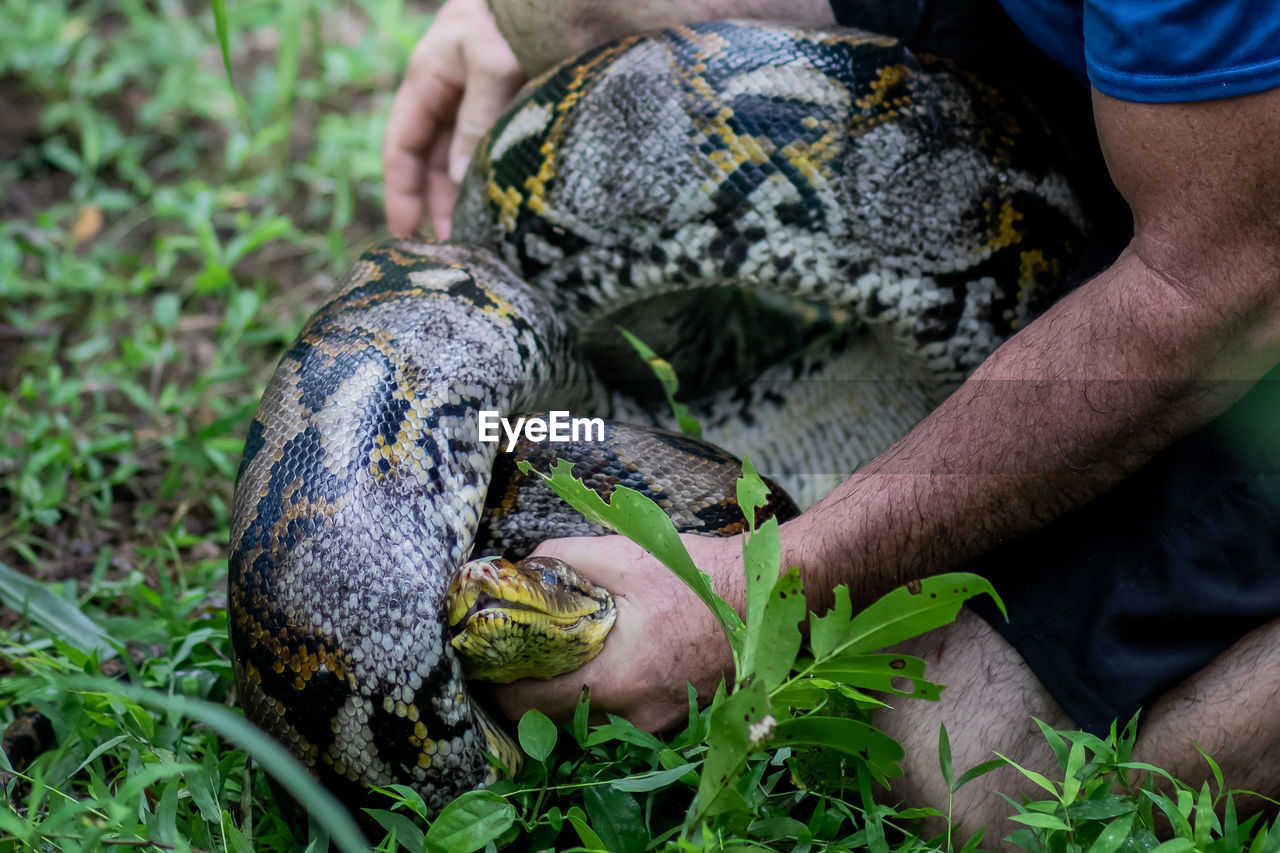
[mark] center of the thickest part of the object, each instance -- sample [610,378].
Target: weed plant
[162,237]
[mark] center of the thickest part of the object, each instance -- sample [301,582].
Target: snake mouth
[537,618]
[486,606]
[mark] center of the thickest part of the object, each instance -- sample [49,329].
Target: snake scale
[820,227]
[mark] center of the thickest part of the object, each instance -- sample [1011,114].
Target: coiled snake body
[872,225]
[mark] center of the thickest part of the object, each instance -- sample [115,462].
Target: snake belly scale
[887,216]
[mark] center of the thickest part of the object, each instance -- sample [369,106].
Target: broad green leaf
[978,770]
[772,638]
[578,819]
[1032,775]
[537,734]
[1110,839]
[903,613]
[944,758]
[779,827]
[1070,780]
[879,672]
[1040,821]
[408,834]
[1175,845]
[652,781]
[853,737]
[738,725]
[641,520]
[220,28]
[53,613]
[470,822]
[1214,769]
[1177,818]
[670,384]
[624,730]
[617,819]
[581,716]
[1206,820]
[1230,824]
[1056,742]
[802,694]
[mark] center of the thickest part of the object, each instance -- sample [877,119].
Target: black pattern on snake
[821,230]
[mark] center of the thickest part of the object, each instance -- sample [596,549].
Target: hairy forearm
[1064,410]
[543,32]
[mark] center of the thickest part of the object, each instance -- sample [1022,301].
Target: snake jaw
[538,618]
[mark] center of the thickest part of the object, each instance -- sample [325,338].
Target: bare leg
[1228,708]
[989,704]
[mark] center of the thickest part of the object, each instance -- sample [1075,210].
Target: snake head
[537,618]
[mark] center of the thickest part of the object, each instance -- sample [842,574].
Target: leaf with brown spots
[900,615]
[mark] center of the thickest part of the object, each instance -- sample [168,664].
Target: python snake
[820,229]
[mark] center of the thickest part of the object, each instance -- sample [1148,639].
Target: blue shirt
[1159,50]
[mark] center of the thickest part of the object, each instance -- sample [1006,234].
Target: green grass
[162,238]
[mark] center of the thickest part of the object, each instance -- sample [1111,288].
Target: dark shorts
[1122,599]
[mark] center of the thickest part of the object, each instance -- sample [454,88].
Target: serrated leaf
[771,644]
[729,742]
[537,734]
[901,614]
[470,822]
[751,491]
[642,521]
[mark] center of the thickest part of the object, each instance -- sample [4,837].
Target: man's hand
[461,77]
[664,636]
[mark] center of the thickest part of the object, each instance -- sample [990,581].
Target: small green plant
[1107,802]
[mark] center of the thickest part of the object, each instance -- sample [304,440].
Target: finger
[441,191]
[422,111]
[490,88]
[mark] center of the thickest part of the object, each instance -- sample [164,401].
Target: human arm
[545,32]
[1162,341]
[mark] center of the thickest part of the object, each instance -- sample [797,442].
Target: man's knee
[990,703]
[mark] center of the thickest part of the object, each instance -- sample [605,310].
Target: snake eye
[550,578]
